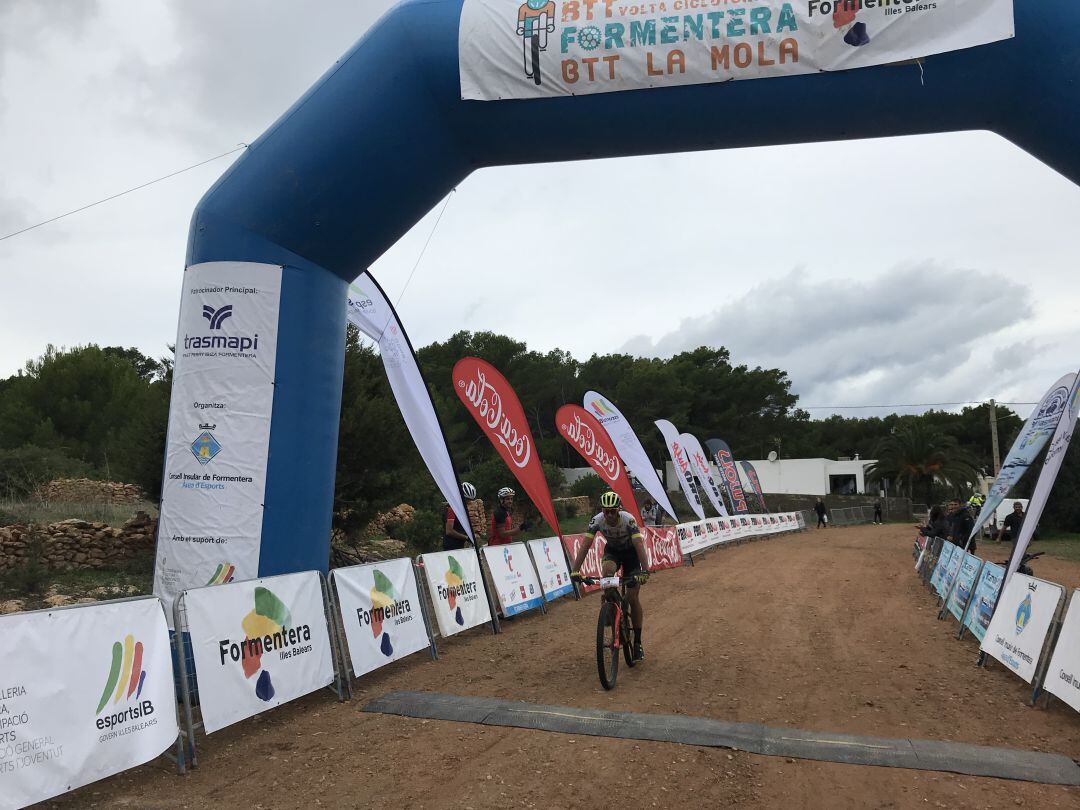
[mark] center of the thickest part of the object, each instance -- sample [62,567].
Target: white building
[802,476]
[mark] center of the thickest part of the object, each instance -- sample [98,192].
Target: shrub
[591,486]
[424,532]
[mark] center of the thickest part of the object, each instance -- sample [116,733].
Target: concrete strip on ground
[925,755]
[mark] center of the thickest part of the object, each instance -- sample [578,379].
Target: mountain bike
[613,631]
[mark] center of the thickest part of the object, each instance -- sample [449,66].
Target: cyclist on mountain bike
[625,549]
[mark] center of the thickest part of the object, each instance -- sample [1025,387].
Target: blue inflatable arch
[379,139]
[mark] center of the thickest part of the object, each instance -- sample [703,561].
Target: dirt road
[827,630]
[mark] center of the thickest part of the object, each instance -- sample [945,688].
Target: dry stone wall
[76,544]
[83,490]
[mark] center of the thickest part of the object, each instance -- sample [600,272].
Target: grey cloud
[906,335]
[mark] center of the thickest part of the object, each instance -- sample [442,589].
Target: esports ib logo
[222,574]
[216,316]
[126,675]
[1023,614]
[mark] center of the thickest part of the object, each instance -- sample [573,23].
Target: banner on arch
[522,49]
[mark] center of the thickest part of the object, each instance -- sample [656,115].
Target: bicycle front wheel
[535,48]
[607,654]
[627,636]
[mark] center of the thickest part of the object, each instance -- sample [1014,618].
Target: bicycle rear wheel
[607,654]
[535,47]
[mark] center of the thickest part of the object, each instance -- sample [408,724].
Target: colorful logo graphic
[535,20]
[455,578]
[383,597]
[205,447]
[508,559]
[216,316]
[126,675]
[269,618]
[222,574]
[547,550]
[1023,614]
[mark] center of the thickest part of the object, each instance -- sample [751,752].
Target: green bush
[31,575]
[26,468]
[424,532]
[591,486]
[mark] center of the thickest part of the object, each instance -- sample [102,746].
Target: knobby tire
[607,655]
[536,58]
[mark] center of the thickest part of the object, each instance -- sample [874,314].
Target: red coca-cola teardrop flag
[495,407]
[588,437]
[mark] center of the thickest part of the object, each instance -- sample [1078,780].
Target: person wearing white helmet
[501,530]
[454,535]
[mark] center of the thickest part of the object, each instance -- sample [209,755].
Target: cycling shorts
[625,558]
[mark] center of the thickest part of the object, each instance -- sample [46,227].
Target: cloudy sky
[932,269]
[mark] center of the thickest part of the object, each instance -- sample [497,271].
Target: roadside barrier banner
[1063,674]
[258,644]
[947,550]
[457,590]
[551,565]
[984,599]
[525,50]
[591,566]
[662,547]
[951,570]
[725,530]
[1017,633]
[381,613]
[685,536]
[697,539]
[960,596]
[218,439]
[513,577]
[85,693]
[712,533]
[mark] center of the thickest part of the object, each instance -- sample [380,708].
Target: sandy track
[828,630]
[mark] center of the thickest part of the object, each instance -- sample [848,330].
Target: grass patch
[46,512]
[132,578]
[1062,545]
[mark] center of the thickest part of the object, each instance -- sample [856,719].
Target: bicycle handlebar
[614,582]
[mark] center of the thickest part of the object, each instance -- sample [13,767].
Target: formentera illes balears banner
[488,396]
[539,48]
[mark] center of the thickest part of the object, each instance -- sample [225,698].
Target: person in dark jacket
[819,507]
[936,524]
[960,524]
[1010,528]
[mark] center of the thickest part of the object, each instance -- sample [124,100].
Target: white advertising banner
[1063,674]
[258,644]
[1059,445]
[457,590]
[629,447]
[712,533]
[381,613]
[85,693]
[509,49]
[368,309]
[699,463]
[1017,632]
[219,427]
[679,457]
[513,577]
[1040,425]
[547,554]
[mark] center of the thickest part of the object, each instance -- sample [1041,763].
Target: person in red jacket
[501,531]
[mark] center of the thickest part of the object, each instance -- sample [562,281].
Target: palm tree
[921,456]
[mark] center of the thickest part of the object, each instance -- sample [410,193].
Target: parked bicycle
[613,631]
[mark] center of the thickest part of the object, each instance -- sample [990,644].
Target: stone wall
[578,505]
[76,544]
[83,490]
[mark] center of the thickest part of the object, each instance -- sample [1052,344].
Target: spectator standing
[960,524]
[454,536]
[877,512]
[501,531]
[1010,528]
[822,520]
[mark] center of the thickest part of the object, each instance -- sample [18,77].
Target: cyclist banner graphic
[586,435]
[519,49]
[491,401]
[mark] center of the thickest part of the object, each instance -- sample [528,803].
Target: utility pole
[994,438]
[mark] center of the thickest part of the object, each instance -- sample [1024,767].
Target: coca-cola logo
[663,549]
[584,437]
[488,405]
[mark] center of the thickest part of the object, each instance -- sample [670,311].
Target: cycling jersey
[529,18]
[501,523]
[618,536]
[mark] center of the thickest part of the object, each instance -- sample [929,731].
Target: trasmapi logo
[216,316]
[386,603]
[267,628]
[231,343]
[125,680]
